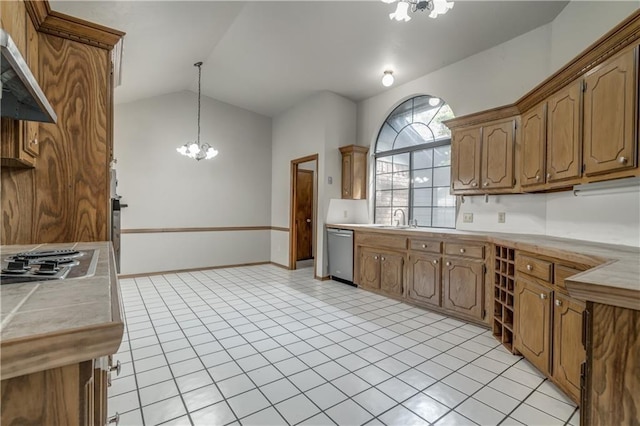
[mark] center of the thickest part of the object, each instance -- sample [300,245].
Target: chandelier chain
[199,65]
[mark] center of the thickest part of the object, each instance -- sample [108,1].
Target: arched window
[413,165]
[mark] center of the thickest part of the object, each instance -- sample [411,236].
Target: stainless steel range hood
[22,98]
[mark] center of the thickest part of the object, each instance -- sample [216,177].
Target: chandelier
[436,7]
[196,150]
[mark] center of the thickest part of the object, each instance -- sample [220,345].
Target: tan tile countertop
[614,279]
[48,324]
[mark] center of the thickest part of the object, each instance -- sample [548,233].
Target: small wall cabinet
[354,172]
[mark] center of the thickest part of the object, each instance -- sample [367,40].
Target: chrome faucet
[404,219]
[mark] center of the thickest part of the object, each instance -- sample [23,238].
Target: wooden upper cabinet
[424,278]
[610,102]
[497,155]
[354,172]
[465,159]
[568,351]
[533,323]
[533,146]
[563,134]
[463,287]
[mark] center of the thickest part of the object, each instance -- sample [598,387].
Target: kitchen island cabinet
[55,344]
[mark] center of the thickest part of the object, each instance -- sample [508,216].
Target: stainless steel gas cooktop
[47,265]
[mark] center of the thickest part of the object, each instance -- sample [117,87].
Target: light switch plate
[501,217]
[467,218]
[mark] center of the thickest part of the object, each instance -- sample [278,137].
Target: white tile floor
[264,346]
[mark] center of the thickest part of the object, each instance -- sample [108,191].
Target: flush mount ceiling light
[387,78]
[196,150]
[435,7]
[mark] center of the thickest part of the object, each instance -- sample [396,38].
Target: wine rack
[504,288]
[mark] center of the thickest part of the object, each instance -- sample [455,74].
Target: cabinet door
[533,323]
[346,175]
[497,155]
[424,278]
[391,273]
[463,287]
[610,101]
[563,134]
[568,352]
[466,153]
[534,141]
[369,269]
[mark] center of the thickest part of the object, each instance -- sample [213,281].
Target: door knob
[375,257]
[486,184]
[424,246]
[462,250]
[548,175]
[448,263]
[537,178]
[474,184]
[558,302]
[382,258]
[543,296]
[622,160]
[529,267]
[435,262]
[308,220]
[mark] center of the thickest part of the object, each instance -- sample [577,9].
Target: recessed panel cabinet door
[610,101]
[391,268]
[533,328]
[369,269]
[466,153]
[346,176]
[563,134]
[568,352]
[424,279]
[463,287]
[534,140]
[497,155]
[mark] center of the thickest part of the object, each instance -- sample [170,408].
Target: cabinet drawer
[561,273]
[376,240]
[534,267]
[475,251]
[430,246]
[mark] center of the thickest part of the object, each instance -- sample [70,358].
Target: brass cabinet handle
[543,296]
[622,160]
[117,368]
[375,257]
[548,175]
[529,267]
[474,184]
[35,141]
[462,250]
[448,263]
[382,258]
[435,262]
[114,420]
[486,184]
[558,302]
[537,178]
[424,246]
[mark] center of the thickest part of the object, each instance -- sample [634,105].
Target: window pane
[383,181]
[400,198]
[442,197]
[383,216]
[422,197]
[422,178]
[442,176]
[384,164]
[401,180]
[401,116]
[385,138]
[440,130]
[442,155]
[444,217]
[415,134]
[383,198]
[401,162]
[422,215]
[423,159]
[423,111]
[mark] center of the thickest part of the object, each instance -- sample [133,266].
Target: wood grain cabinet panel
[424,278]
[369,269]
[534,146]
[533,323]
[610,103]
[354,172]
[30,139]
[568,352]
[392,273]
[463,287]
[497,155]
[564,143]
[466,151]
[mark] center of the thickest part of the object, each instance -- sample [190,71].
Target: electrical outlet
[345,214]
[467,218]
[501,217]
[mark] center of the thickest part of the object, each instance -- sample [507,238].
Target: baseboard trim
[204,268]
[319,278]
[203,229]
[279,265]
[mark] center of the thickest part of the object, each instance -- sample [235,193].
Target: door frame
[293,249]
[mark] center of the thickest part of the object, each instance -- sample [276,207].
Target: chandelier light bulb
[440,7]
[402,12]
[387,78]
[211,153]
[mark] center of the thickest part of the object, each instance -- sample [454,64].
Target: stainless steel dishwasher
[341,255]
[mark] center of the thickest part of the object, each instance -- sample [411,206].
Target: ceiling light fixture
[387,78]
[435,7]
[196,150]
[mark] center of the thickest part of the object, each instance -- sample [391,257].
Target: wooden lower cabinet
[463,287]
[424,278]
[391,273]
[369,269]
[568,352]
[533,323]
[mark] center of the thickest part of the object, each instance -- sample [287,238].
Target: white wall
[318,125]
[499,76]
[167,190]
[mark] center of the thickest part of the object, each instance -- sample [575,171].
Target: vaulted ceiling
[266,56]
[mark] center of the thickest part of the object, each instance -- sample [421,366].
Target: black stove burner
[47,253]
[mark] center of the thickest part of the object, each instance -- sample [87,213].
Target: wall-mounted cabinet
[498,141]
[466,154]
[354,172]
[534,147]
